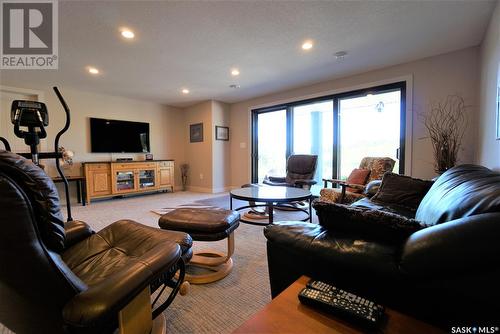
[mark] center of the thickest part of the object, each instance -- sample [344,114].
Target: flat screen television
[114,136]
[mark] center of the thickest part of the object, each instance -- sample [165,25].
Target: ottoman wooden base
[205,225]
[219,263]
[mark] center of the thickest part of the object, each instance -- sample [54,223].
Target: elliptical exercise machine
[34,116]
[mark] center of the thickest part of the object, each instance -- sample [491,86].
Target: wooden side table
[285,314]
[81,191]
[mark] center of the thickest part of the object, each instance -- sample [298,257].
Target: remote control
[342,303]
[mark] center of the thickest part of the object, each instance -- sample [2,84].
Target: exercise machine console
[30,119]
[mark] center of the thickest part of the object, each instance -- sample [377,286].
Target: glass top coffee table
[272,197]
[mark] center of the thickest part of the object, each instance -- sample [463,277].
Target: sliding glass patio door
[341,129]
[370,124]
[312,134]
[270,151]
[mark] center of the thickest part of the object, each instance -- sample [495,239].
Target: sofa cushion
[402,190]
[461,191]
[369,224]
[387,207]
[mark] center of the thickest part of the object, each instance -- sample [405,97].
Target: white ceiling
[195,44]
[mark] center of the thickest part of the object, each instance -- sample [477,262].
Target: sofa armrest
[76,231]
[461,245]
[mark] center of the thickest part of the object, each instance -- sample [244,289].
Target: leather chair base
[219,264]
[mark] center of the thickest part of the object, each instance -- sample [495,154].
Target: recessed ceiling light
[127,33]
[307,45]
[185,91]
[93,70]
[235,72]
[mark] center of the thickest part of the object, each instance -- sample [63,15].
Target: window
[341,129]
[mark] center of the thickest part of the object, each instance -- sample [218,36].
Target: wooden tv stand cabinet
[108,179]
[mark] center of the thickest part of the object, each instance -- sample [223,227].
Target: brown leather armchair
[377,167]
[300,170]
[58,277]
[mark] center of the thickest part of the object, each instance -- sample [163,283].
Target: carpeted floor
[219,307]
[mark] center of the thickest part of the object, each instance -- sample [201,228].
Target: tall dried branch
[446,123]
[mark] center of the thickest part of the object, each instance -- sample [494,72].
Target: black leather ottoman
[206,225]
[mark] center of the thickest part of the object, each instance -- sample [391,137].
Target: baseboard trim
[199,189]
[221,190]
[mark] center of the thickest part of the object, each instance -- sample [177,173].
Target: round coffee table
[272,197]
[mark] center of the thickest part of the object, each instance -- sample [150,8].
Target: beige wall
[166,135]
[221,162]
[488,153]
[199,155]
[209,161]
[433,79]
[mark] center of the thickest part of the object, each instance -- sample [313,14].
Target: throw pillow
[357,176]
[370,224]
[402,190]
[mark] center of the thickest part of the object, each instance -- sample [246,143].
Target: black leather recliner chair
[60,277]
[300,170]
[448,273]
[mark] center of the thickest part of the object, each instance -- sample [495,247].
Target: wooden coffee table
[285,314]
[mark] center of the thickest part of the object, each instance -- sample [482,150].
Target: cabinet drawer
[166,163]
[98,166]
[138,165]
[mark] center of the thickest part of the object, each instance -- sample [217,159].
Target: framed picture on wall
[196,133]
[498,104]
[221,133]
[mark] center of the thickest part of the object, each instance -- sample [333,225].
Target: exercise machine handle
[56,150]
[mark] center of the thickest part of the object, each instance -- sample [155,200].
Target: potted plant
[446,122]
[184,177]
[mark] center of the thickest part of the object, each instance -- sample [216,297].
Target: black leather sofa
[447,273]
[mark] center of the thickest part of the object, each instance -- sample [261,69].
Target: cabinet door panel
[100,182]
[165,177]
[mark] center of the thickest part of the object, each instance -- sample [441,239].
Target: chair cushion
[377,166]
[402,190]
[42,194]
[201,224]
[461,191]
[357,176]
[300,167]
[122,244]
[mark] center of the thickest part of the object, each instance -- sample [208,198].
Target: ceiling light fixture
[235,72]
[93,70]
[340,55]
[127,33]
[185,91]
[307,45]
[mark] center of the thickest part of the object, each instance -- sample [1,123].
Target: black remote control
[342,303]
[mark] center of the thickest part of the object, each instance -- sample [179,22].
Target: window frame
[399,85]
